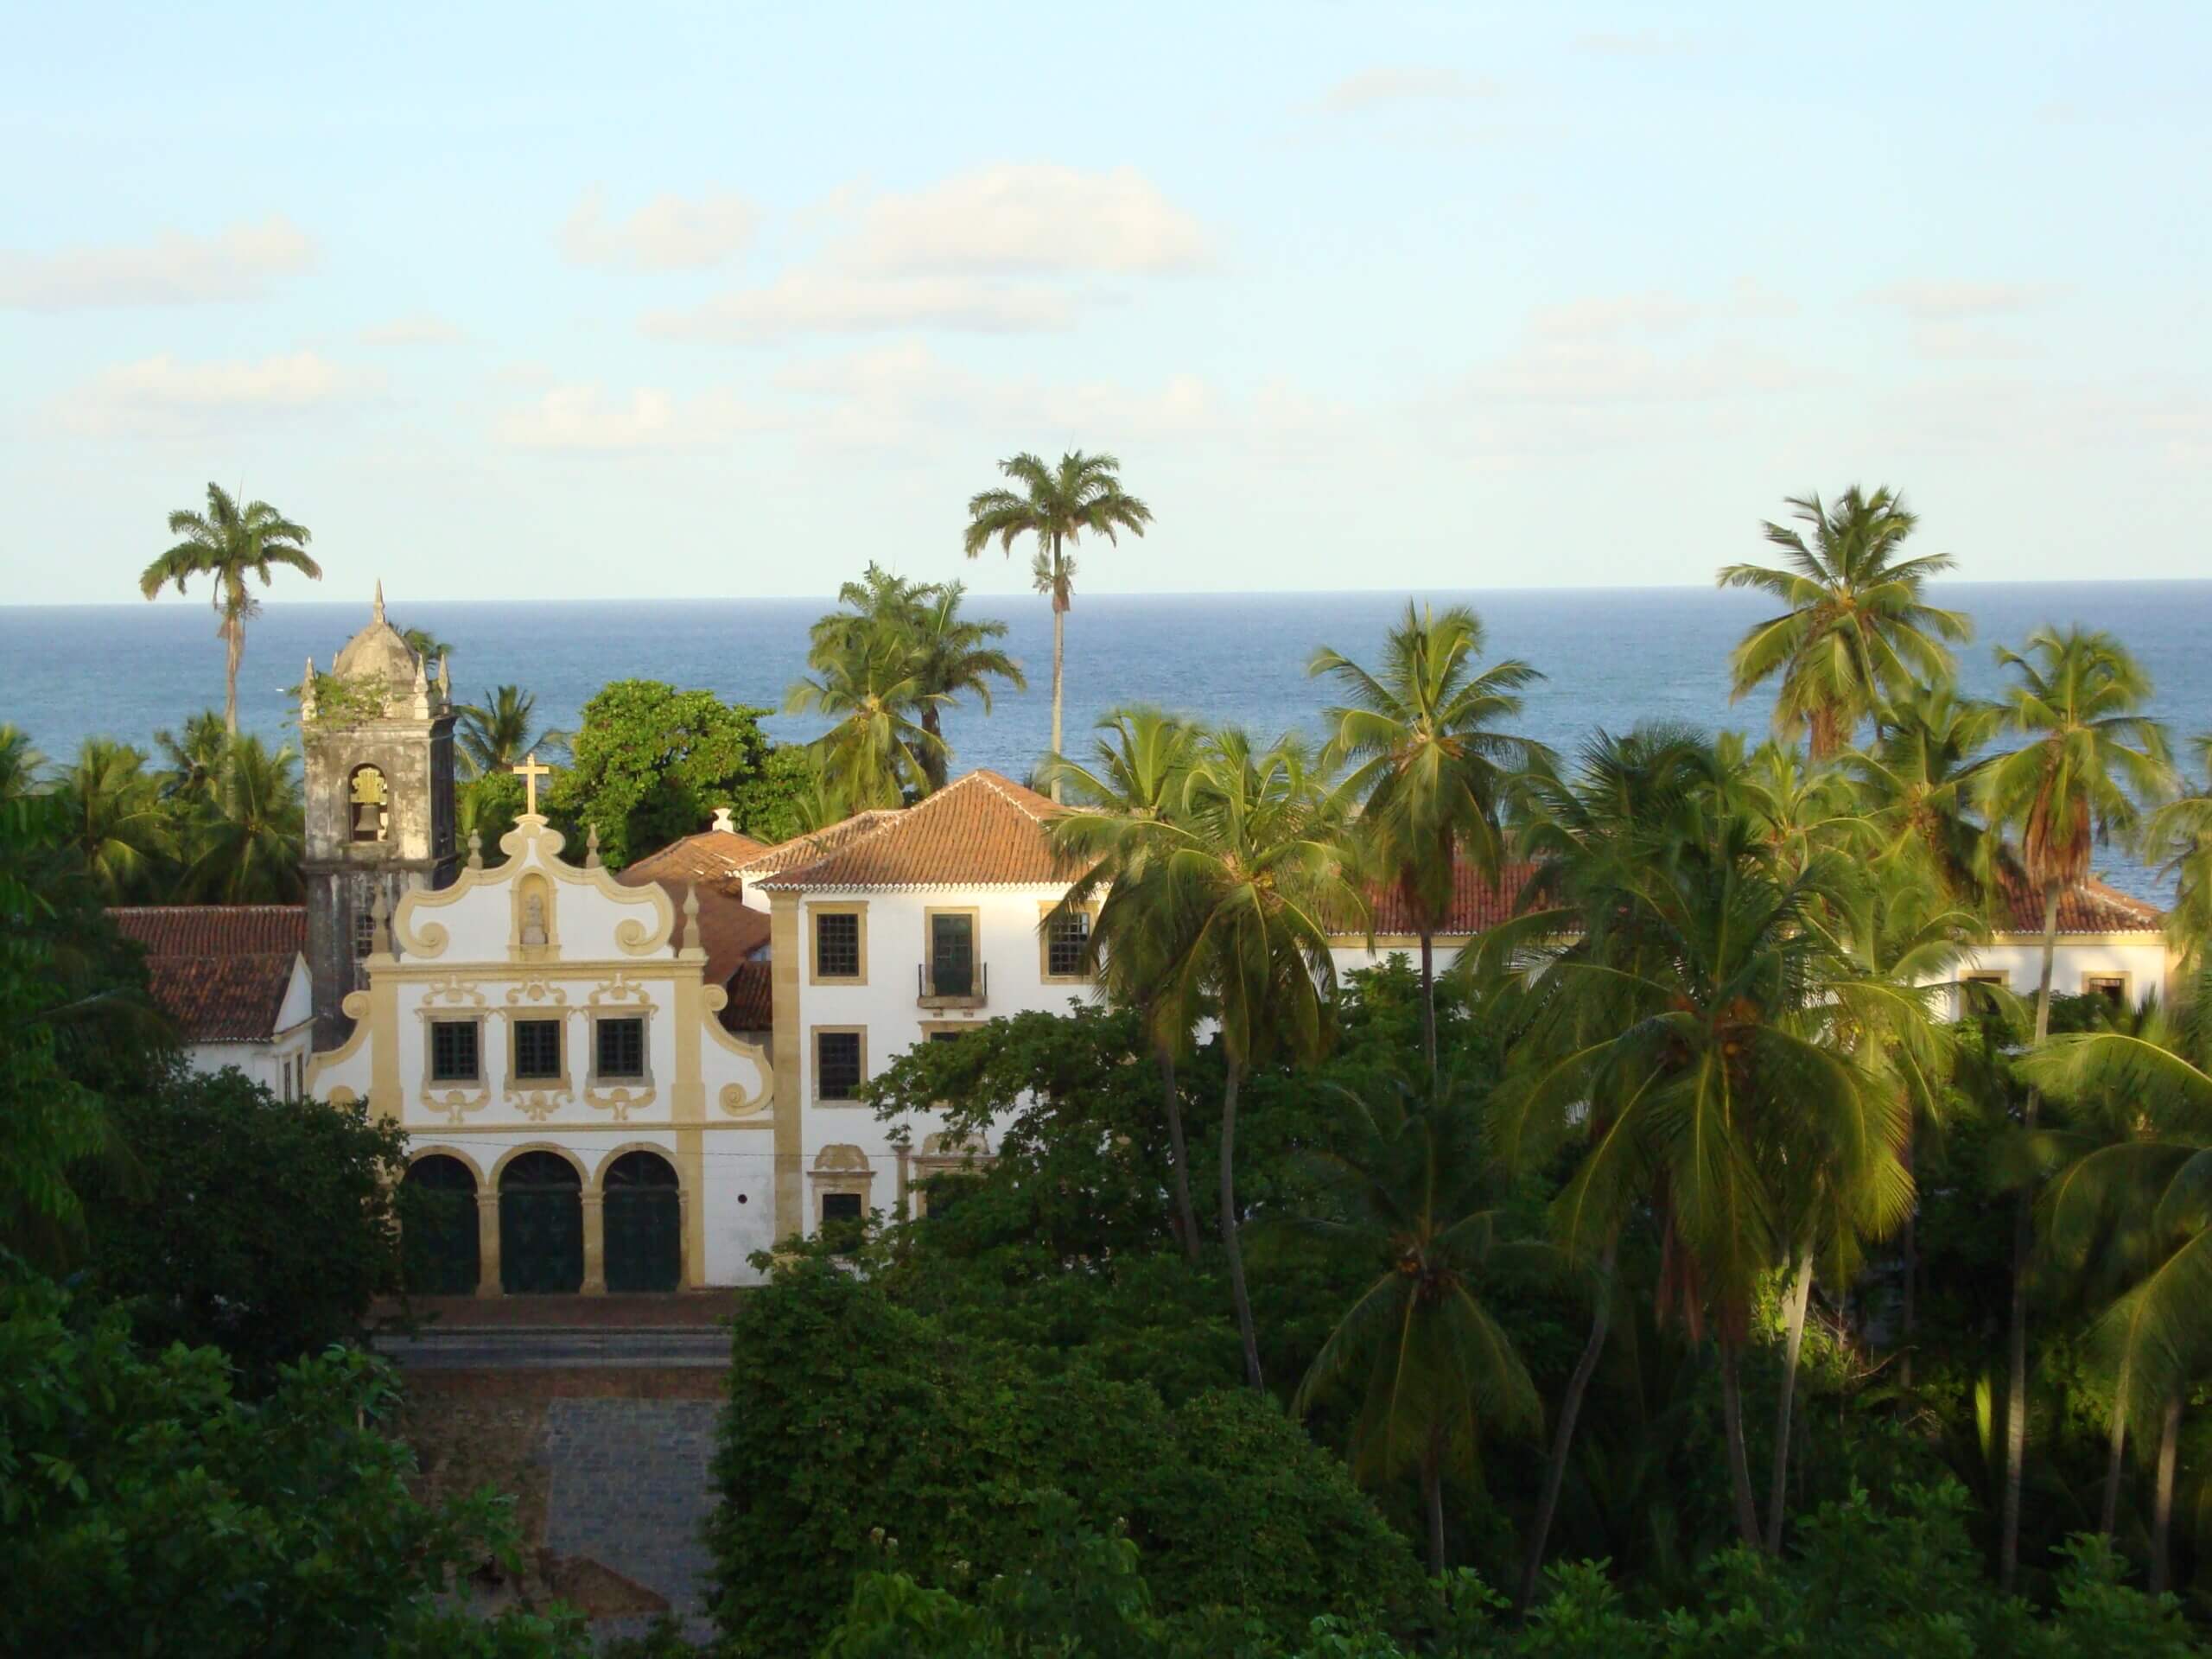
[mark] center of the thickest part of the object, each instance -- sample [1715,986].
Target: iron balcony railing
[940,982]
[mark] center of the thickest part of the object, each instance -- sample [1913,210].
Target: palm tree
[2136,1200]
[1056,505]
[195,758]
[20,763]
[225,544]
[2083,749]
[492,735]
[246,838]
[1856,635]
[1417,1191]
[1916,784]
[875,751]
[1237,888]
[1431,764]
[2178,837]
[1140,762]
[426,645]
[117,827]
[953,655]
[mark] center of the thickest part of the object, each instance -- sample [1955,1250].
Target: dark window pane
[946,1036]
[621,1048]
[837,945]
[841,1206]
[1065,944]
[452,1050]
[952,955]
[364,935]
[838,1065]
[538,1048]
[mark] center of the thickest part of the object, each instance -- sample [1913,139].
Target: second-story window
[621,1048]
[453,1056]
[1066,940]
[838,1065]
[537,1049]
[952,955]
[836,944]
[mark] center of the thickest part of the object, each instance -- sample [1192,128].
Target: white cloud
[1958,302]
[1954,341]
[1028,217]
[1635,43]
[581,418]
[1371,88]
[175,267]
[670,233]
[1603,371]
[1603,316]
[162,394]
[813,302]
[420,329]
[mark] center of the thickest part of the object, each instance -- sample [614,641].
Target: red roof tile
[2090,907]
[711,855]
[816,844]
[752,998]
[1477,902]
[979,830]
[219,971]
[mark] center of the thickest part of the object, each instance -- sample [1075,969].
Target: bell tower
[378,737]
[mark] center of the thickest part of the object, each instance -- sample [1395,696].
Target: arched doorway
[439,1243]
[644,1224]
[541,1226]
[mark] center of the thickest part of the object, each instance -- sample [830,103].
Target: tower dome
[377,651]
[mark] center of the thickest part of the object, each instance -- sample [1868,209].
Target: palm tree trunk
[1187,1219]
[1570,1408]
[1739,1465]
[1432,1492]
[1800,1294]
[935,764]
[2115,1458]
[1244,1326]
[2023,1239]
[1428,997]
[1911,1245]
[1060,654]
[2161,1513]
[233,632]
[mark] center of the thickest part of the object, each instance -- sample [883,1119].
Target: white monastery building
[637,1081]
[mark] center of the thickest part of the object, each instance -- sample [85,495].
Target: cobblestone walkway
[627,1487]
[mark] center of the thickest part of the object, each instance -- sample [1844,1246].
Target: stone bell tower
[377,738]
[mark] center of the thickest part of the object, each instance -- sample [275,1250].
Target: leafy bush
[862,1434]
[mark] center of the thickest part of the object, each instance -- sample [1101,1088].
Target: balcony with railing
[952,984]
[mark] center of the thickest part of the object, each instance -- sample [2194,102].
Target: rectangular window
[946,1036]
[1066,939]
[841,1206]
[538,1048]
[2111,987]
[621,1048]
[453,1051]
[837,945]
[837,1065]
[952,955]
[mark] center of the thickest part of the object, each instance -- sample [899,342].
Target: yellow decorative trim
[784,944]
[632,937]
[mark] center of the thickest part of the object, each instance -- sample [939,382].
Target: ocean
[1611,657]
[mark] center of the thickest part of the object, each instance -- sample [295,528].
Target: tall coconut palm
[492,735]
[1857,634]
[1918,783]
[1140,762]
[1055,506]
[2178,837]
[953,654]
[117,827]
[2086,757]
[225,544]
[245,838]
[1417,1190]
[194,756]
[1431,766]
[20,764]
[874,751]
[2146,1197]
[1247,872]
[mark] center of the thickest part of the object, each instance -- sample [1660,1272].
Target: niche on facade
[534,937]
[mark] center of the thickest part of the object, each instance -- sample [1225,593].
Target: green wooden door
[541,1227]
[438,1238]
[645,1245]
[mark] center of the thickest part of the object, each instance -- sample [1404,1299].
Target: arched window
[540,1225]
[368,803]
[644,1218]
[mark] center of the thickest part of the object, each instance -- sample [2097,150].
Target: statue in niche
[533,918]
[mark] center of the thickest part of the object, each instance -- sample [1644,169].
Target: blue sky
[669,300]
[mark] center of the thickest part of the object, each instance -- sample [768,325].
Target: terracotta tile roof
[729,931]
[979,830]
[2091,907]
[711,855]
[1478,903]
[752,998]
[816,844]
[219,971]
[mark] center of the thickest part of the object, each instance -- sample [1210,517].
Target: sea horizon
[1612,658]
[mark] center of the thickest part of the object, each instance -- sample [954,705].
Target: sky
[668,301]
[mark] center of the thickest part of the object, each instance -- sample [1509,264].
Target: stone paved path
[558,1347]
[628,1488]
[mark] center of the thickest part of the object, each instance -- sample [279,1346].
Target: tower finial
[377,612]
[475,850]
[591,848]
[306,694]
